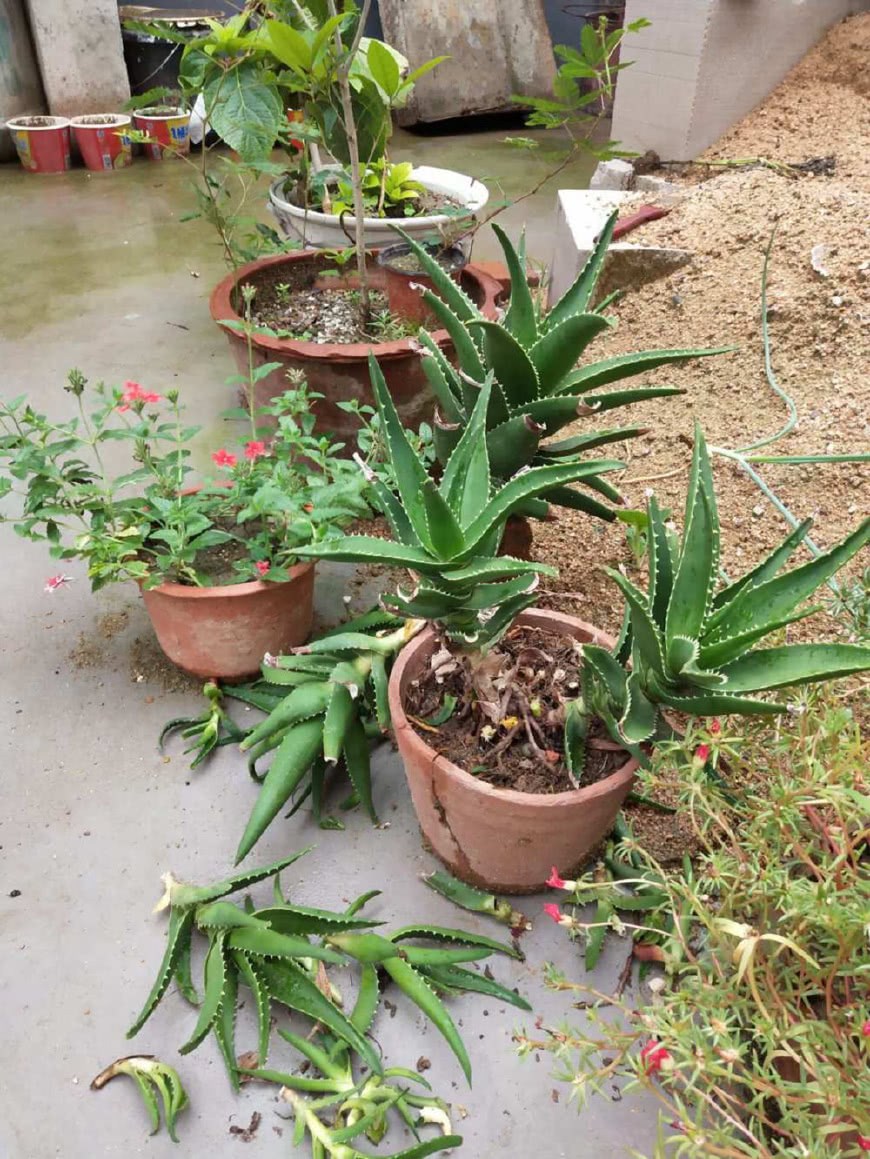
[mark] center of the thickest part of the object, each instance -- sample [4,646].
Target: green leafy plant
[691,646]
[754,1041]
[477,901]
[155,1079]
[388,190]
[537,386]
[337,701]
[271,951]
[282,488]
[208,731]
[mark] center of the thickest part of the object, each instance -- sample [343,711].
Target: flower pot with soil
[217,562]
[508,773]
[406,279]
[104,141]
[167,129]
[448,203]
[42,143]
[312,310]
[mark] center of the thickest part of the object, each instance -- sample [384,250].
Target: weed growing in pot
[755,1039]
[275,492]
[692,643]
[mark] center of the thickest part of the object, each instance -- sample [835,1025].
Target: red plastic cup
[104,141]
[169,131]
[42,143]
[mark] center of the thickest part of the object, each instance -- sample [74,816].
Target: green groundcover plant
[756,1037]
[281,489]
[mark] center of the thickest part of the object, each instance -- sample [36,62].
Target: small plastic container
[169,130]
[42,143]
[104,141]
[404,286]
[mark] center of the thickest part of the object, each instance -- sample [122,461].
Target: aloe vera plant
[692,645]
[155,1080]
[334,700]
[538,388]
[272,952]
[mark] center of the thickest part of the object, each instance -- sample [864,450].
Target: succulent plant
[154,1079]
[273,952]
[538,388]
[447,534]
[691,646]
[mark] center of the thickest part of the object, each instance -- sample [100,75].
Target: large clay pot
[224,632]
[339,372]
[500,839]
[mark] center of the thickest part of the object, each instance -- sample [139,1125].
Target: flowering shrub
[756,1038]
[283,489]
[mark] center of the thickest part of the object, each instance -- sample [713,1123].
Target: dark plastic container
[404,288]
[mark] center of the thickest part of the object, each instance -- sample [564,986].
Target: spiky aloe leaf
[368,549]
[578,501]
[576,729]
[461,335]
[661,563]
[510,363]
[480,570]
[177,938]
[305,921]
[416,988]
[556,352]
[450,292]
[380,691]
[249,973]
[454,978]
[711,703]
[627,365]
[608,670]
[577,443]
[520,318]
[448,934]
[292,987]
[292,760]
[638,721]
[223,915]
[767,668]
[465,483]
[513,444]
[578,296]
[555,411]
[726,649]
[302,703]
[224,1026]
[340,711]
[697,568]
[615,398]
[442,386]
[357,761]
[213,995]
[766,570]
[644,631]
[266,943]
[153,1078]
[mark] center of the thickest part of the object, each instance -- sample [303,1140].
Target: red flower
[308,507]
[864,1142]
[554,881]
[223,458]
[715,726]
[556,914]
[702,752]
[262,566]
[655,1057]
[865,1029]
[255,449]
[133,392]
[57,581]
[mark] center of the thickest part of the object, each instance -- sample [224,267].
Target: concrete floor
[100,273]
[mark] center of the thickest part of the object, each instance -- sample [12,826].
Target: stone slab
[81,59]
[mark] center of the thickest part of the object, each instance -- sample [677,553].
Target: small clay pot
[224,632]
[500,839]
[404,288]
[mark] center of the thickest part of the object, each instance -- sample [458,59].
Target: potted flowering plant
[216,562]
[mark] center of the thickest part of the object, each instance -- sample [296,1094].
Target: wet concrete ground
[100,273]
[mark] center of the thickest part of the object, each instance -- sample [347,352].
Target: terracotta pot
[339,372]
[405,288]
[498,838]
[224,632]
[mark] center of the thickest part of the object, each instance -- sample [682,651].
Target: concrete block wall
[20,87]
[81,58]
[704,64]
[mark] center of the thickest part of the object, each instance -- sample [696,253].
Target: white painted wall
[704,64]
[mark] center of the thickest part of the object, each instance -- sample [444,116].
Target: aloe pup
[692,644]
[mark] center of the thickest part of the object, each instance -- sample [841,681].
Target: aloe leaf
[423,1149]
[519,319]
[265,943]
[455,978]
[766,570]
[494,595]
[577,443]
[510,363]
[448,934]
[449,291]
[418,990]
[512,445]
[465,482]
[768,668]
[225,1025]
[420,956]
[293,758]
[444,388]
[394,512]
[290,986]
[367,998]
[609,671]
[305,921]
[556,353]
[697,568]
[149,1098]
[726,649]
[603,487]
[315,1054]
[215,987]
[467,352]
[357,760]
[250,975]
[183,975]
[556,411]
[477,570]
[339,713]
[644,630]
[778,597]
[535,481]
[380,689]
[368,549]
[596,935]
[578,501]
[638,721]
[295,1082]
[177,937]
[627,365]
[176,1101]
[615,398]
[245,879]
[578,296]
[300,704]
[223,915]
[714,703]
[661,563]
[576,728]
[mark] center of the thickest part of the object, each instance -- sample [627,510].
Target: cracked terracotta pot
[224,632]
[500,839]
[338,371]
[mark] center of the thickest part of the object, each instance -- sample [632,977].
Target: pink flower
[655,1057]
[702,752]
[262,566]
[864,1142]
[223,458]
[865,1029]
[57,581]
[715,726]
[133,392]
[554,881]
[556,914]
[254,450]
